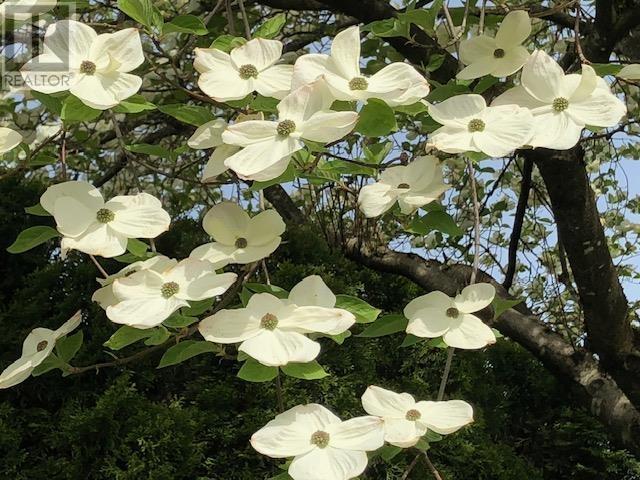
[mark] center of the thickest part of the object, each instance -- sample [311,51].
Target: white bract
[406,421]
[248,68]
[9,139]
[36,347]
[437,314]
[412,186]
[630,72]
[323,447]
[90,225]
[500,56]
[25,9]
[238,237]
[268,145]
[396,84]
[562,105]
[105,297]
[148,297]
[273,331]
[470,126]
[95,68]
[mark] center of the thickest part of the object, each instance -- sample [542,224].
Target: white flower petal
[208,135]
[106,89]
[9,139]
[250,133]
[328,126]
[276,348]
[72,217]
[69,326]
[376,198]
[386,403]
[309,319]
[303,102]
[478,69]
[143,312]
[70,41]
[458,110]
[345,52]
[435,299]
[212,59]
[445,417]
[518,96]
[474,298]
[218,254]
[554,130]
[123,47]
[512,61]
[600,109]
[138,216]
[430,323]
[225,85]
[508,127]
[98,239]
[477,50]
[360,433]
[514,29]
[254,253]
[264,227]
[630,72]
[275,81]
[308,68]
[542,77]
[259,52]
[229,326]
[396,76]
[312,291]
[403,433]
[469,333]
[260,157]
[226,222]
[328,464]
[83,192]
[215,166]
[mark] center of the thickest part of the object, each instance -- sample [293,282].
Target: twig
[445,373]
[279,395]
[476,221]
[576,31]
[432,467]
[245,20]
[99,267]
[230,22]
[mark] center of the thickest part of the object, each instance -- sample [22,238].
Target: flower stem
[279,395]
[98,266]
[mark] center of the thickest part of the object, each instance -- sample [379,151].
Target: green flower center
[104,215]
[320,439]
[248,71]
[269,321]
[358,83]
[476,125]
[560,104]
[413,415]
[87,67]
[498,53]
[452,312]
[404,185]
[42,345]
[286,128]
[241,243]
[169,289]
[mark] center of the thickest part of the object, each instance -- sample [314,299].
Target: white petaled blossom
[273,331]
[323,447]
[406,421]
[437,314]
[25,9]
[95,68]
[148,297]
[630,72]
[9,139]
[90,225]
[248,68]
[469,125]
[396,84]
[412,186]
[500,56]
[35,349]
[105,297]
[268,145]
[238,237]
[562,105]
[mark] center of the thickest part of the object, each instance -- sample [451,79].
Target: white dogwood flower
[323,447]
[90,225]
[412,186]
[500,56]
[268,145]
[95,68]
[9,139]
[238,237]
[396,84]
[248,68]
[105,297]
[562,105]
[25,9]
[148,297]
[470,126]
[272,331]
[406,421]
[437,314]
[630,72]
[36,347]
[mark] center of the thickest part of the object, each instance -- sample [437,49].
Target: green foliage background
[193,421]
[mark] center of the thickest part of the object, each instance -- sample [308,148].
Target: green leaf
[190,114]
[388,452]
[159,335]
[186,350]
[410,340]
[67,347]
[341,337]
[197,307]
[38,210]
[413,109]
[73,110]
[501,305]
[305,371]
[226,43]
[437,342]
[282,476]
[147,149]
[484,84]
[390,27]
[387,325]
[50,363]
[186,24]
[272,289]
[126,335]
[134,104]
[177,320]
[435,62]
[272,27]
[32,237]
[53,104]
[437,220]
[289,175]
[252,371]
[604,69]
[142,11]
[364,312]
[137,247]
[376,119]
